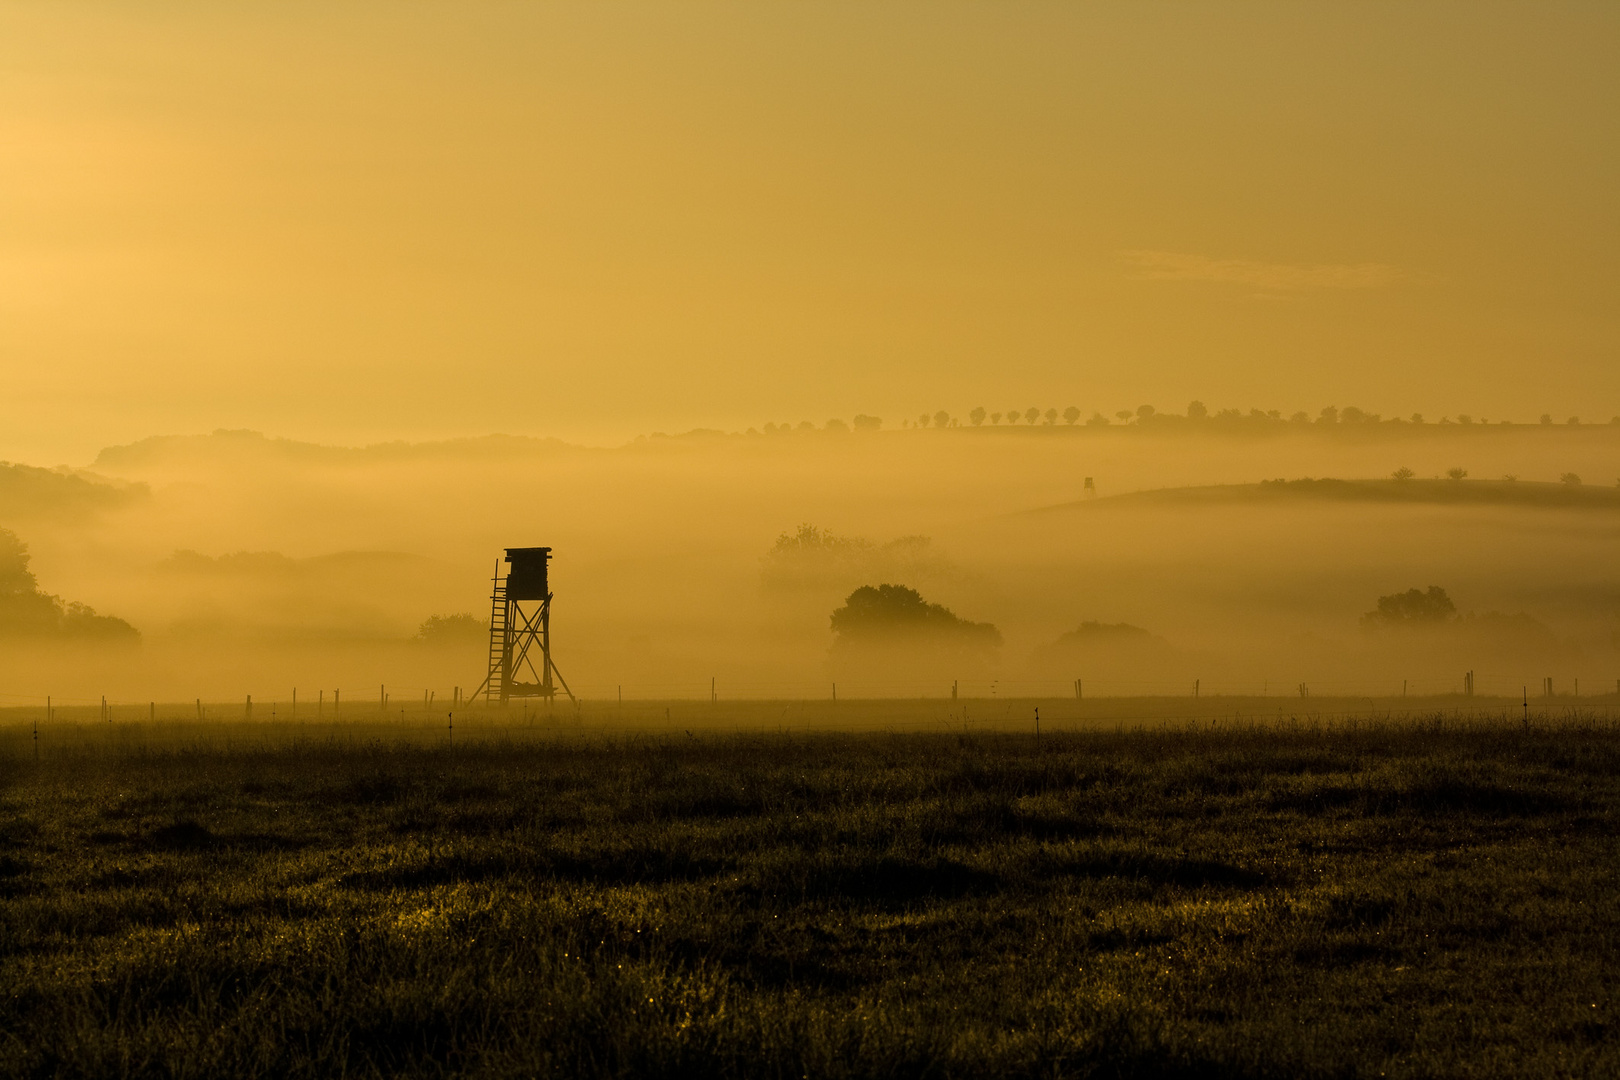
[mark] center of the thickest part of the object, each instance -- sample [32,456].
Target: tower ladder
[499,641]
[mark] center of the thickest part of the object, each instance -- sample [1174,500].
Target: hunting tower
[520,628]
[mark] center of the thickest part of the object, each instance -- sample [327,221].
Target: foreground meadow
[1405,898]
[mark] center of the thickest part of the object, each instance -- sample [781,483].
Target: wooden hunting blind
[519,628]
[527,578]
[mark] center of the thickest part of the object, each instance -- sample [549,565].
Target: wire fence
[1034,715]
[382,698]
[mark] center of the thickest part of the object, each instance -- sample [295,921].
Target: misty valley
[1146,559]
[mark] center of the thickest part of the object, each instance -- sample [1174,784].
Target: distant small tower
[519,627]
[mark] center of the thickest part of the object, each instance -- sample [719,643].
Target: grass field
[1284,896]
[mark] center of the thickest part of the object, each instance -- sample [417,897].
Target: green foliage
[1400,900]
[891,612]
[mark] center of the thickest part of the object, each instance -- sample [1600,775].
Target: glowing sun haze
[351,222]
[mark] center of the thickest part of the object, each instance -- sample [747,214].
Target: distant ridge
[1519,493]
[27,491]
[253,444]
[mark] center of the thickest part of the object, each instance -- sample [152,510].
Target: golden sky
[351,222]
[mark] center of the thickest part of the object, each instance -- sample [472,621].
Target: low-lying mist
[253,565]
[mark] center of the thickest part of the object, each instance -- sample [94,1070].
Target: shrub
[462,629]
[890,612]
[1412,607]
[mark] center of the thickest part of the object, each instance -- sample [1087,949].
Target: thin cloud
[1175,266]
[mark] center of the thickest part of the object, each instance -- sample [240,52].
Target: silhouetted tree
[1012,416]
[1097,420]
[809,537]
[1051,417]
[1032,414]
[1403,473]
[889,612]
[942,419]
[922,421]
[80,621]
[1144,413]
[1414,607]
[836,424]
[15,577]
[1071,414]
[1571,479]
[977,415]
[809,554]
[1329,415]
[452,630]
[25,611]
[1124,414]
[1456,472]
[1196,411]
[995,418]
[867,423]
[814,558]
